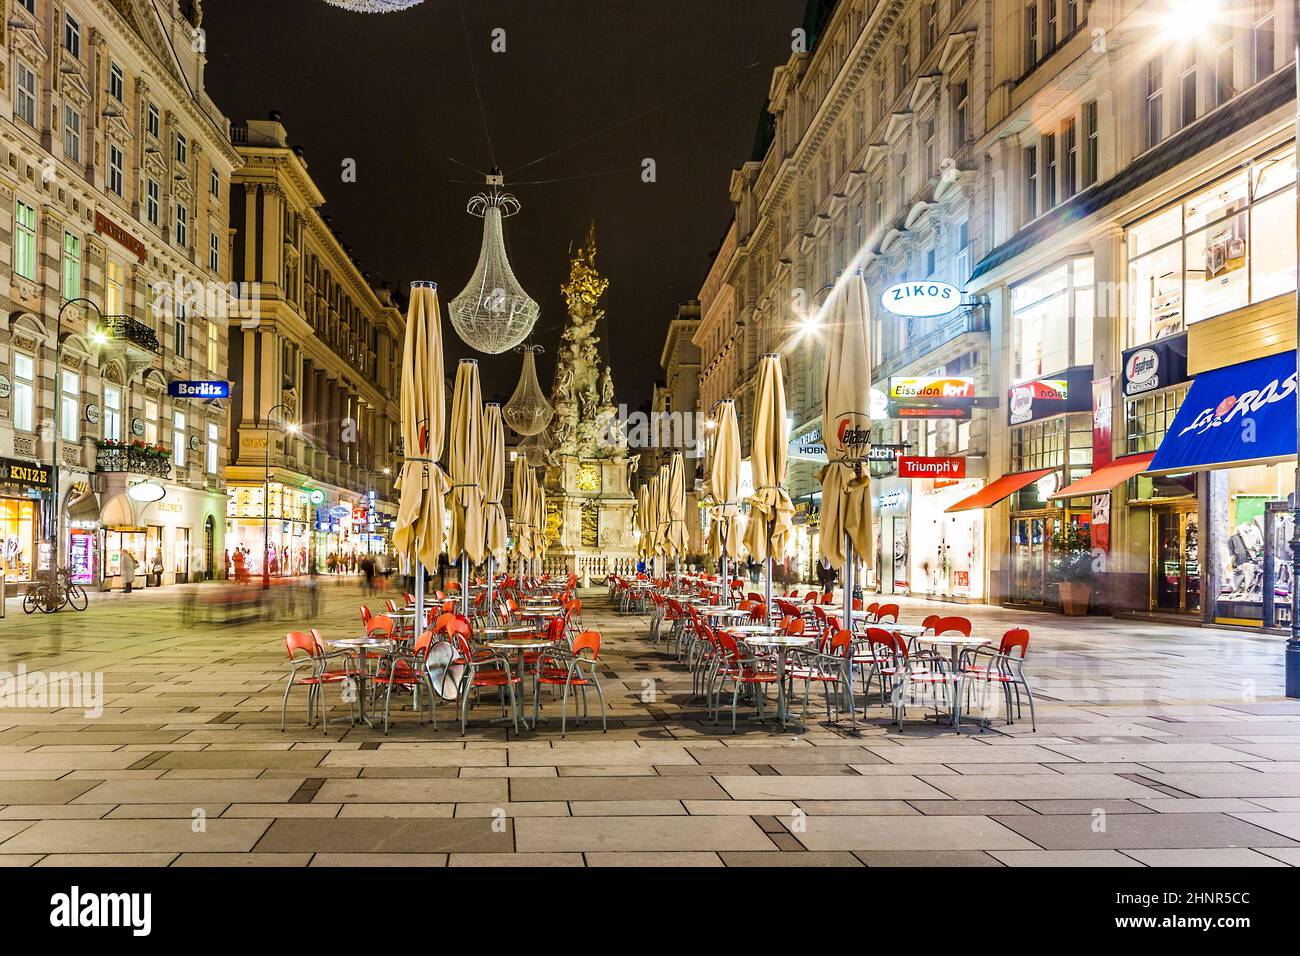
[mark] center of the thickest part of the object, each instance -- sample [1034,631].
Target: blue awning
[1241,413]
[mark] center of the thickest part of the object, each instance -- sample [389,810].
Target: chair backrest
[458,627]
[887,611]
[727,645]
[365,614]
[587,641]
[1016,638]
[744,605]
[758,612]
[443,620]
[299,641]
[410,598]
[755,596]
[440,595]
[380,624]
[953,625]
[931,620]
[792,626]
[872,608]
[318,641]
[841,643]
[878,636]
[423,643]
[392,605]
[811,597]
[828,597]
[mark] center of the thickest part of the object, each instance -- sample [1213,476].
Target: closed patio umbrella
[465,501]
[519,506]
[659,515]
[643,521]
[771,512]
[724,482]
[677,537]
[539,522]
[494,486]
[422,485]
[846,426]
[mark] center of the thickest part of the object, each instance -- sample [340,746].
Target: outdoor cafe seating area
[753,659]
[520,640]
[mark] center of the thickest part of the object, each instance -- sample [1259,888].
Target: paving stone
[1064,858]
[384,836]
[593,834]
[829,788]
[1204,858]
[910,834]
[135,836]
[1143,831]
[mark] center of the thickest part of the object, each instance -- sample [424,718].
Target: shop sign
[358,515]
[915,466]
[115,232]
[886,453]
[316,496]
[200,390]
[1255,401]
[137,427]
[897,410]
[92,413]
[5,387]
[339,512]
[897,498]
[1155,365]
[24,474]
[807,447]
[926,387]
[921,299]
[1045,397]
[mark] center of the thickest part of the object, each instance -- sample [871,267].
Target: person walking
[156,569]
[826,576]
[128,571]
[368,571]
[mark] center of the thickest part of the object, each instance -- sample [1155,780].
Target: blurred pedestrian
[128,571]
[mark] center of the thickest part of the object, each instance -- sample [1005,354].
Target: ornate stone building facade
[115,172]
[315,372]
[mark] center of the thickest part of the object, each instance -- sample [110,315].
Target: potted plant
[1072,567]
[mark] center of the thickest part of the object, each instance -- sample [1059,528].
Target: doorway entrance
[1176,565]
[209,548]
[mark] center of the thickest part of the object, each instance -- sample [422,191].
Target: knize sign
[915,466]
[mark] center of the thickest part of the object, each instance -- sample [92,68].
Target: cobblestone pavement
[1156,745]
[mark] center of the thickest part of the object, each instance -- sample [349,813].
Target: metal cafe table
[358,646]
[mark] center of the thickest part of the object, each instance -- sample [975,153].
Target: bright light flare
[1189,19]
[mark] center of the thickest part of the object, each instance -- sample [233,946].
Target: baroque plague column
[589,504]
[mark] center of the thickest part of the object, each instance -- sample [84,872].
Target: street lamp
[290,429]
[100,338]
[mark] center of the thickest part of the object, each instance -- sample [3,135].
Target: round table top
[715,610]
[508,629]
[780,640]
[358,642]
[517,643]
[956,640]
[752,629]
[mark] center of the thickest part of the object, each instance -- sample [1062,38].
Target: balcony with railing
[152,462]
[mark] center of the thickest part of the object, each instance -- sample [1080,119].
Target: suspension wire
[482,111]
[636,116]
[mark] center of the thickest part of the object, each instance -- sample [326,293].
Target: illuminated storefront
[891,508]
[286,533]
[22,484]
[947,548]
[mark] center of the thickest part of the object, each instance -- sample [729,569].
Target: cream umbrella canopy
[493,473]
[660,514]
[643,520]
[465,501]
[519,502]
[677,536]
[846,426]
[770,509]
[724,481]
[422,485]
[539,520]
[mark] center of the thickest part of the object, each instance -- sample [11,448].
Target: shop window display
[1254,546]
[17,537]
[1229,245]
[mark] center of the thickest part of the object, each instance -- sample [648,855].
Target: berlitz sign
[204,390]
[920,299]
[910,466]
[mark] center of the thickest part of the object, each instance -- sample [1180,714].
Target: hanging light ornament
[536,449]
[374,6]
[528,412]
[493,313]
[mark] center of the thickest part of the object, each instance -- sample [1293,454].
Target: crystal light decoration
[528,412]
[493,313]
[374,6]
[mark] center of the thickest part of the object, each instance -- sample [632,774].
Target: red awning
[991,494]
[1107,477]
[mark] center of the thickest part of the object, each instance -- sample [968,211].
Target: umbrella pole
[489,597]
[419,596]
[726,582]
[767,585]
[848,583]
[464,583]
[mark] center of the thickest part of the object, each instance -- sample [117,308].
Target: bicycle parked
[50,594]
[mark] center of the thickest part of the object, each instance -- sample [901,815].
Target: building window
[214,444]
[182,226]
[116,83]
[1148,417]
[1031,182]
[1049,171]
[112,413]
[151,203]
[1187,90]
[72,134]
[1031,36]
[1071,16]
[1222,86]
[25,240]
[116,161]
[71,266]
[24,407]
[214,346]
[25,101]
[178,439]
[28,5]
[963,252]
[69,404]
[1049,27]
[1155,101]
[1061,442]
[181,331]
[150,421]
[960,112]
[1051,319]
[214,184]
[214,252]
[1092,144]
[927,140]
[72,36]
[1262,40]
[930,23]
[902,64]
[1230,244]
[153,122]
[114,288]
[182,150]
[1070,147]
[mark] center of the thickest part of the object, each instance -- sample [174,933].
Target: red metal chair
[576,668]
[831,666]
[744,669]
[483,669]
[409,671]
[1004,668]
[317,674]
[887,611]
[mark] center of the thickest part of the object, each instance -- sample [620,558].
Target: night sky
[606,83]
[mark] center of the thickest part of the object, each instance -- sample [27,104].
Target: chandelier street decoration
[528,412]
[374,6]
[492,313]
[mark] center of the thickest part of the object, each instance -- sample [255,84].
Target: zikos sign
[921,299]
[916,466]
